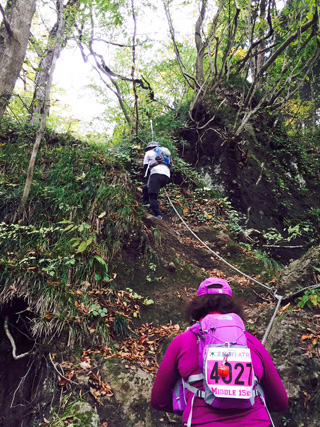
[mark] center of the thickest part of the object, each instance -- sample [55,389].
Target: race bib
[238,383]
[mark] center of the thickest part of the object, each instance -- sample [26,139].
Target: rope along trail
[279,298]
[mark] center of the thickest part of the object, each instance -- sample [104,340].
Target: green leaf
[82,247]
[90,240]
[97,276]
[101,261]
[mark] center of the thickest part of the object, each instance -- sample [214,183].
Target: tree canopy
[151,57]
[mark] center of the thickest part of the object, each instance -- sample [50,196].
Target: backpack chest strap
[196,392]
[194,378]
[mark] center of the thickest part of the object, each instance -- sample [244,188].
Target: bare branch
[111,43]
[230,39]
[212,36]
[192,82]
[59,373]
[20,383]
[240,64]
[6,22]
[291,295]
[273,57]
[200,44]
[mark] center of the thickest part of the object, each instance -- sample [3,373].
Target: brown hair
[200,306]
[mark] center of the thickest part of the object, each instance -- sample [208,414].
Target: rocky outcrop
[298,364]
[266,175]
[301,273]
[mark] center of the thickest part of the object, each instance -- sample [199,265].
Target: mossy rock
[83,415]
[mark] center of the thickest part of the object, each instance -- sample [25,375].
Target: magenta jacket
[181,359]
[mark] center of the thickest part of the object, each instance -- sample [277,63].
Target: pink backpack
[226,364]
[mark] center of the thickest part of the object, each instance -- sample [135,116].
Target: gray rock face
[298,368]
[132,390]
[300,273]
[83,412]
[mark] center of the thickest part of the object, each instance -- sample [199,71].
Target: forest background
[232,88]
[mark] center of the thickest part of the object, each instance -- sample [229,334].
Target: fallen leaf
[85,365]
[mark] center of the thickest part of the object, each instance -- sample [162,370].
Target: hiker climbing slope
[156,165]
[228,379]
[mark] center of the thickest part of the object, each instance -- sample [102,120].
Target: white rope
[274,294]
[271,291]
[266,334]
[214,253]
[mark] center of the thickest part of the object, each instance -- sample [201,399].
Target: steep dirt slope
[182,263]
[98,292]
[161,264]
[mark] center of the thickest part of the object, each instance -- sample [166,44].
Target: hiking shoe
[159,217]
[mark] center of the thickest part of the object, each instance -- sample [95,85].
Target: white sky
[73,74]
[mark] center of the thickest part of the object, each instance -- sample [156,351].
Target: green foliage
[72,413]
[302,229]
[156,235]
[269,262]
[152,266]
[235,220]
[96,310]
[310,299]
[81,212]
[273,236]
[120,325]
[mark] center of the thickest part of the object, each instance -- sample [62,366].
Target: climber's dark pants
[151,190]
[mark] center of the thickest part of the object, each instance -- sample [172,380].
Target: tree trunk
[133,68]
[260,56]
[46,63]
[200,45]
[14,36]
[45,105]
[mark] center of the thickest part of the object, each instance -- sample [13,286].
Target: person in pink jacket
[182,360]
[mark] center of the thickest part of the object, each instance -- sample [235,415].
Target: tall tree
[14,36]
[251,39]
[44,108]
[52,52]
[92,41]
